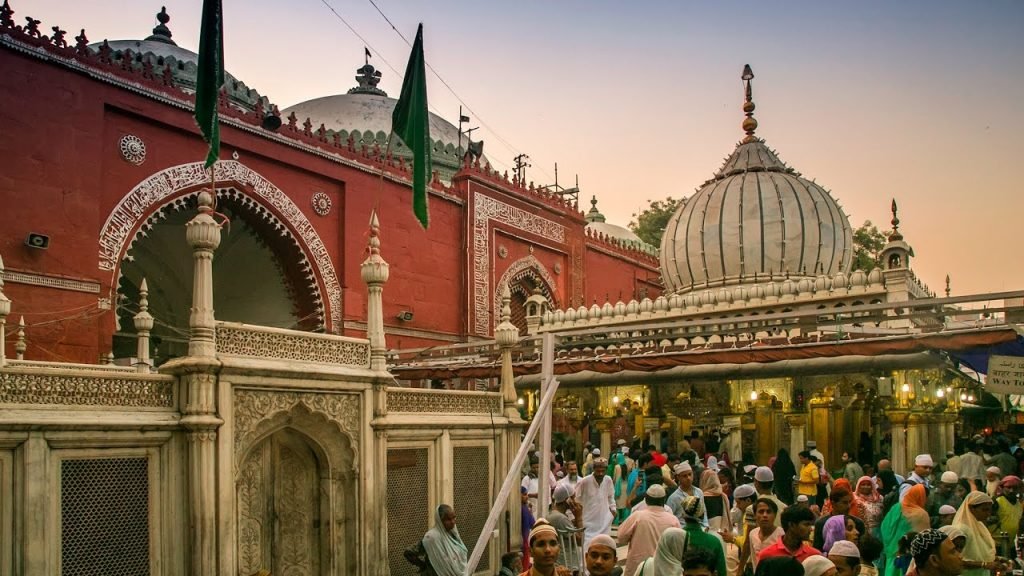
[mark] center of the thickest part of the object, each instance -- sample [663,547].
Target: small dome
[755,217]
[368,109]
[160,50]
[596,223]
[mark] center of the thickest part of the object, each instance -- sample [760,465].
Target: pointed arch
[125,224]
[527,267]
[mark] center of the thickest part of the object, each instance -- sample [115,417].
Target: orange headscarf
[913,508]
[854,506]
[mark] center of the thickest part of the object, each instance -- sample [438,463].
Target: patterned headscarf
[925,542]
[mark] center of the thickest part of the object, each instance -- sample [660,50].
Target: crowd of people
[697,514]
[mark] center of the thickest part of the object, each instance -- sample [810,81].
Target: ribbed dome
[758,217]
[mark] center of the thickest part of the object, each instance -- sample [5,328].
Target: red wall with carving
[63,175]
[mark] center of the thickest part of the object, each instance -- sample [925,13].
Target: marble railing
[422,401]
[36,383]
[234,339]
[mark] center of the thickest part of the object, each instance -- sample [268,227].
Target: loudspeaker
[271,121]
[405,316]
[40,241]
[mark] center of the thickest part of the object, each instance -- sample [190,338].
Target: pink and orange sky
[917,100]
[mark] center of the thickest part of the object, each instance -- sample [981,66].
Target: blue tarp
[977,358]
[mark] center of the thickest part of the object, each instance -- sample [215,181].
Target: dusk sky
[920,101]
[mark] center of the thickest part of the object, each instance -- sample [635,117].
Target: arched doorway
[279,508]
[525,277]
[260,275]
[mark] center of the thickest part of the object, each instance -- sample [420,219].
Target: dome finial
[749,123]
[947,286]
[593,215]
[368,77]
[161,33]
[895,235]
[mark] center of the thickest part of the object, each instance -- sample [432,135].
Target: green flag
[210,76]
[411,123]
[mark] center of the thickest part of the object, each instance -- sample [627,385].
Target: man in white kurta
[596,493]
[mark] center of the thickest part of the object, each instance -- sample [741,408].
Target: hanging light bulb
[520,401]
[963,397]
[940,393]
[949,389]
[970,397]
[906,387]
[615,399]
[753,394]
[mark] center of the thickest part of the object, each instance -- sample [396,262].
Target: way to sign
[1005,374]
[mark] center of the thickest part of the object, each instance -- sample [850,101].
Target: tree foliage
[650,223]
[868,241]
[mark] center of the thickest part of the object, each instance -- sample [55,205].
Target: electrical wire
[377,54]
[506,143]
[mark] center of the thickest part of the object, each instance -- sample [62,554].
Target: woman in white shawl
[668,559]
[979,553]
[445,551]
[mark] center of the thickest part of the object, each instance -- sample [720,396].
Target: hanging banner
[1005,374]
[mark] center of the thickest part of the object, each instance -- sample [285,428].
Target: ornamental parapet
[438,402]
[265,343]
[25,385]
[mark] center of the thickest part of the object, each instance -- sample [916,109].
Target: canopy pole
[513,472]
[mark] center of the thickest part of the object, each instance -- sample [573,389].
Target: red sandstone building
[102,160]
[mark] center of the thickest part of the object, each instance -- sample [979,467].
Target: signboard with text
[1005,374]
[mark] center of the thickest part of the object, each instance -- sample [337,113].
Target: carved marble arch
[296,491]
[285,223]
[523,277]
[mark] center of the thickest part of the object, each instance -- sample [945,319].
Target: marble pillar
[898,430]
[797,425]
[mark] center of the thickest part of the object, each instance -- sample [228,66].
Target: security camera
[405,316]
[40,241]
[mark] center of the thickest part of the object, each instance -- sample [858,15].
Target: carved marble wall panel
[486,209]
[441,402]
[320,414]
[92,390]
[257,342]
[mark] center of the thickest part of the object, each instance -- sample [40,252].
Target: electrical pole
[521,165]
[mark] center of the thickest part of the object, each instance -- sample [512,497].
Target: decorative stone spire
[507,335]
[947,286]
[203,235]
[143,324]
[895,236]
[593,215]
[368,77]
[375,272]
[20,346]
[749,123]
[162,33]
[5,309]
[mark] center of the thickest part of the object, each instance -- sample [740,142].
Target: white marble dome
[367,108]
[756,216]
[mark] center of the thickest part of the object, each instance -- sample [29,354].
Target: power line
[493,132]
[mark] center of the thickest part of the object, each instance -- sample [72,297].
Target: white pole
[510,478]
[547,376]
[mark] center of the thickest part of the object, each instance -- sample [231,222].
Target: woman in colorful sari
[445,550]
[980,549]
[868,503]
[620,478]
[715,502]
[903,517]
